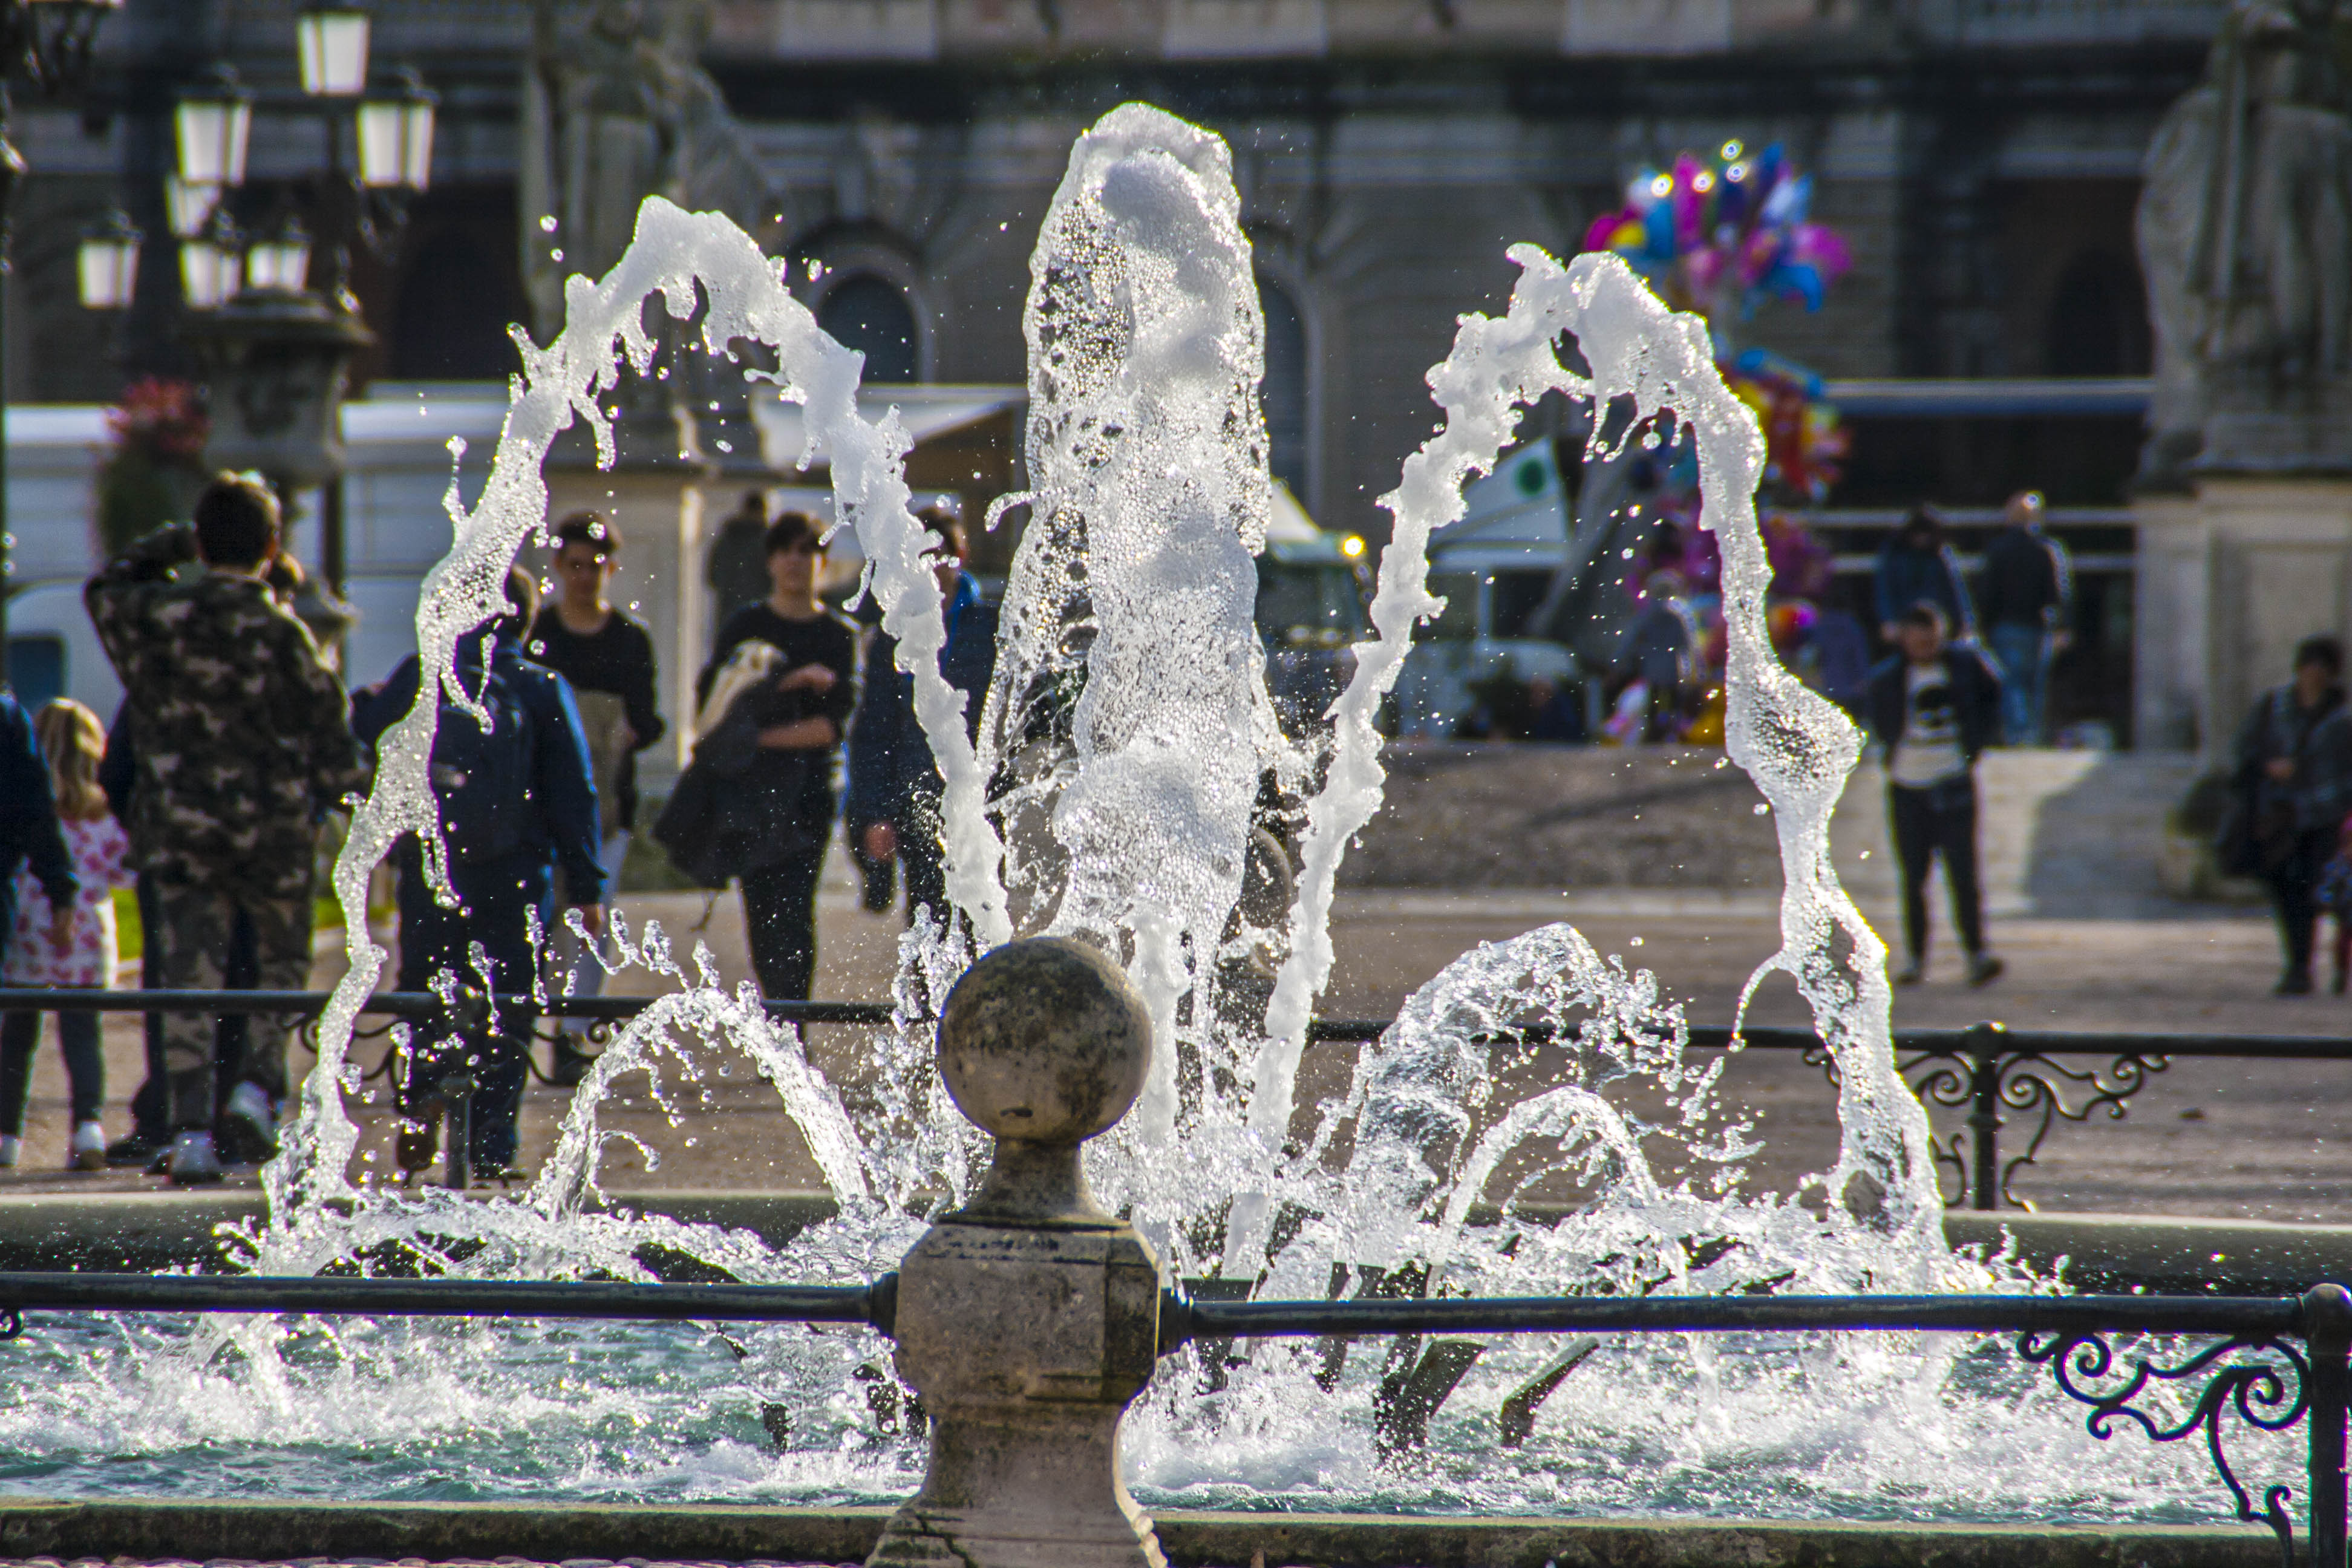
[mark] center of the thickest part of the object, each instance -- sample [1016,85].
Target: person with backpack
[895,788]
[773,702]
[607,659]
[244,745]
[518,808]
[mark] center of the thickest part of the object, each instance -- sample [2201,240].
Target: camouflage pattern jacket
[244,734]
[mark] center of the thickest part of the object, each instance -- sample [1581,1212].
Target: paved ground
[2090,942]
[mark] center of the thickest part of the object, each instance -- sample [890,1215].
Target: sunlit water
[1131,728]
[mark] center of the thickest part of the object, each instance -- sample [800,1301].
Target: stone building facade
[1982,157]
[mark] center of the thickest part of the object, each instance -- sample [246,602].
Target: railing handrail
[1777,1037]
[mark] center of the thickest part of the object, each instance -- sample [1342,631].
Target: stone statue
[617,108]
[2245,238]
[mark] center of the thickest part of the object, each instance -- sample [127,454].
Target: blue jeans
[2024,654]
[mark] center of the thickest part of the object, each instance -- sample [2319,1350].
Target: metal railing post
[1984,1113]
[2327,1328]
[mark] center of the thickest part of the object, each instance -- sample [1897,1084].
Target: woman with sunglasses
[801,711]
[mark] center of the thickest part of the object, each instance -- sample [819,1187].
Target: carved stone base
[1038,1489]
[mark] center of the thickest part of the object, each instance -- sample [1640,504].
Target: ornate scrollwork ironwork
[2259,1391]
[12,1324]
[2030,1081]
[2024,1081]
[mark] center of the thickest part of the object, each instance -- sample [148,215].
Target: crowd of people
[237,743]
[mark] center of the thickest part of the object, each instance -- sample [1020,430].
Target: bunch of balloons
[1730,232]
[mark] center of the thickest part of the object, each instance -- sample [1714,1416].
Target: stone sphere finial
[1045,1041]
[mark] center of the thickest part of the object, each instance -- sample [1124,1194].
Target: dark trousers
[922,861]
[20,1034]
[780,923]
[1939,820]
[2292,885]
[150,1103]
[432,941]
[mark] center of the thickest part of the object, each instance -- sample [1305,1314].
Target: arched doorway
[866,312]
[2098,318]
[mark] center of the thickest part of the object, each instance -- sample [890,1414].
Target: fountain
[1128,641]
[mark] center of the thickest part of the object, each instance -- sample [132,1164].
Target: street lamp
[212,265]
[397,137]
[214,124]
[331,42]
[281,262]
[50,40]
[106,263]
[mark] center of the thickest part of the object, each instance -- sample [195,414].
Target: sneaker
[193,1161]
[248,1126]
[89,1150]
[568,1066]
[1984,968]
[11,1150]
[135,1148]
[1911,974]
[2293,984]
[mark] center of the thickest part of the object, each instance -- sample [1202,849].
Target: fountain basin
[147,1529]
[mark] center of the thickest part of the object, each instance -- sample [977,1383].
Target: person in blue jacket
[895,788]
[1917,565]
[29,833]
[518,807]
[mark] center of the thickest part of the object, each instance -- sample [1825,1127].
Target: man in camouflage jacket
[243,744]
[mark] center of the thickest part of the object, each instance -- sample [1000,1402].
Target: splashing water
[1125,738]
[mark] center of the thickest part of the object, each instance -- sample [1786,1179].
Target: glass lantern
[331,42]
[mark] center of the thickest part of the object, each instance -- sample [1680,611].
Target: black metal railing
[1988,1068]
[2253,1373]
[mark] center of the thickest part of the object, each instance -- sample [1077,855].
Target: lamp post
[272,316]
[50,41]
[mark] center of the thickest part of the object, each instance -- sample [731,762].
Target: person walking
[1916,563]
[737,567]
[2293,778]
[794,717]
[895,788]
[84,953]
[30,836]
[245,744]
[607,659]
[518,808]
[1932,708]
[2029,584]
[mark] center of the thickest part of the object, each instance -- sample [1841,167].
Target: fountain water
[1128,642]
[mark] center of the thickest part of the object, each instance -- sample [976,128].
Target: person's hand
[1888,630]
[816,678]
[881,841]
[591,920]
[2059,641]
[2281,769]
[628,736]
[61,926]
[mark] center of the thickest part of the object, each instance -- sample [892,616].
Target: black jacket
[1976,696]
[29,818]
[2027,580]
[891,763]
[562,832]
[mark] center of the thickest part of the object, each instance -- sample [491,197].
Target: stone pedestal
[2231,578]
[1028,1319]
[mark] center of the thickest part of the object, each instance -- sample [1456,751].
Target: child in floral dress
[73,740]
